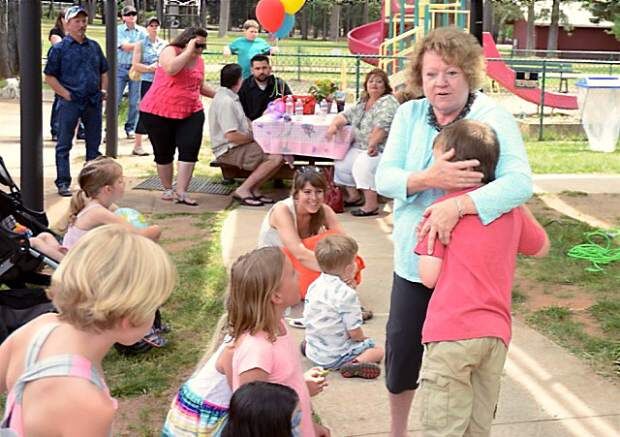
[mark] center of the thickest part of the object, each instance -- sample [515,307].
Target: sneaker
[367,314]
[355,369]
[130,135]
[64,191]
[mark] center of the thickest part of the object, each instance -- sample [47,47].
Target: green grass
[558,322]
[570,157]
[192,311]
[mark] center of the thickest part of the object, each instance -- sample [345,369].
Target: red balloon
[270,14]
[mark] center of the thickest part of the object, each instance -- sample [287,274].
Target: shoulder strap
[37,342]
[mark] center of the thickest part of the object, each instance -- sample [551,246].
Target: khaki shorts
[459,386]
[247,156]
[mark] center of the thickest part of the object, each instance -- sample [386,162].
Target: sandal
[184,200]
[247,201]
[264,199]
[361,213]
[168,195]
[358,202]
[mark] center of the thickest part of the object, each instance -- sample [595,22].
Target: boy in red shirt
[468,323]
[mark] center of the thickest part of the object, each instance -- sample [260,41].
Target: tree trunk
[334,22]
[305,23]
[9,22]
[129,3]
[365,12]
[203,13]
[552,40]
[91,8]
[530,41]
[224,18]
[325,22]
[487,17]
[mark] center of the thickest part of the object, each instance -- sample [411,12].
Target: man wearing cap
[76,70]
[127,35]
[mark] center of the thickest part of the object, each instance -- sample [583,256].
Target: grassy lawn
[560,298]
[570,157]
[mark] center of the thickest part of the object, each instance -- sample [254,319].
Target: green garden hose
[598,250]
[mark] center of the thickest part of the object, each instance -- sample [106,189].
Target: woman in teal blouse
[448,68]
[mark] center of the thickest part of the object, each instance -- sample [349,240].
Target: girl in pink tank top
[107,290]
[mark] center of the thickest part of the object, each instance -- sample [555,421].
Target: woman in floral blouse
[370,118]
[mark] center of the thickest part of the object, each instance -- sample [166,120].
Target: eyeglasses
[130,14]
[200,45]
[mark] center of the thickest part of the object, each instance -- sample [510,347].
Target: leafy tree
[9,22]
[608,10]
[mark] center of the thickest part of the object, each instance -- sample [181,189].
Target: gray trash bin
[599,102]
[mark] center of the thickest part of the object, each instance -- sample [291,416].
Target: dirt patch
[181,233]
[602,206]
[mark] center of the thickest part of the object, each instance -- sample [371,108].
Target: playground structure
[403,22]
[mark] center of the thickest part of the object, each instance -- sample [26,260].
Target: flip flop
[247,201]
[184,200]
[264,199]
[361,213]
[358,202]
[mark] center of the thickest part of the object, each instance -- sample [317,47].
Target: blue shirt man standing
[76,70]
[127,35]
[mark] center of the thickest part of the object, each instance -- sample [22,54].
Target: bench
[536,66]
[230,172]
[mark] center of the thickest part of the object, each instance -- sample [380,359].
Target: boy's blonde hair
[95,175]
[254,278]
[335,252]
[109,275]
[250,23]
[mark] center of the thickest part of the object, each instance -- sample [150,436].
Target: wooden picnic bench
[285,172]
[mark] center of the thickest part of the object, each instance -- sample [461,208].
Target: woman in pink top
[263,284]
[172,111]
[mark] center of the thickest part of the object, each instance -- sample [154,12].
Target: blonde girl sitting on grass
[106,290]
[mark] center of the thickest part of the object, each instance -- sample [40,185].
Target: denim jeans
[54,129]
[122,80]
[69,112]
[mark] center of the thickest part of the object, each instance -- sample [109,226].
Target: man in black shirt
[260,88]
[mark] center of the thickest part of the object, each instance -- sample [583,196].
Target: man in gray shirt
[232,140]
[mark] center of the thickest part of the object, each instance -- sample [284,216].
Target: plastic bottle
[299,109]
[323,108]
[289,105]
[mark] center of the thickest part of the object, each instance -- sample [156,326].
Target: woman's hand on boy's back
[316,380]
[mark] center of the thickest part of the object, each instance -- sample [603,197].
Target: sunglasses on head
[130,14]
[309,169]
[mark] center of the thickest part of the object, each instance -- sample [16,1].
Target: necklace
[431,119]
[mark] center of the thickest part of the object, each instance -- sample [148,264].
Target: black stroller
[24,297]
[20,269]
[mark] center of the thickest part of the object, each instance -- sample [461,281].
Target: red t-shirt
[472,297]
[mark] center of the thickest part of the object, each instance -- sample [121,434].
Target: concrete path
[545,390]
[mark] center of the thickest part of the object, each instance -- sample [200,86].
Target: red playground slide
[505,76]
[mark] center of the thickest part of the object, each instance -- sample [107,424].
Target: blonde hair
[250,23]
[455,47]
[95,175]
[254,278]
[335,252]
[109,275]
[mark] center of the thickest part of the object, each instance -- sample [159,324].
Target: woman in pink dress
[173,113]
